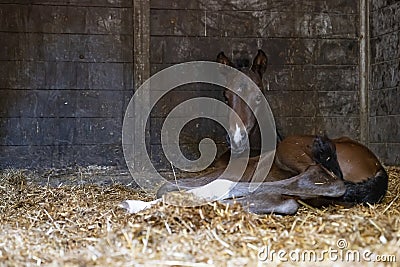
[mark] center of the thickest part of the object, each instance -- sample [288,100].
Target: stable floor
[80,224]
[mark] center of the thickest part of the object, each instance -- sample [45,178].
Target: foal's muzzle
[238,143]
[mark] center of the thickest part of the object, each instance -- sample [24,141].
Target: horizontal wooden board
[107,3]
[192,132]
[65,19]
[339,126]
[309,103]
[66,47]
[311,78]
[36,157]
[62,103]
[173,98]
[337,52]
[302,77]
[296,103]
[190,151]
[66,75]
[333,126]
[341,6]
[295,125]
[60,131]
[250,24]
[288,51]
[338,104]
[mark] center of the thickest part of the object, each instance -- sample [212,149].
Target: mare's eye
[258,98]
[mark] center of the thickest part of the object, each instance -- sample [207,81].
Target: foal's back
[356,161]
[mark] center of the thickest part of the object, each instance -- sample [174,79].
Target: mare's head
[239,136]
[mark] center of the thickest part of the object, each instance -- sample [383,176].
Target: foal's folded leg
[314,182]
[185,184]
[264,203]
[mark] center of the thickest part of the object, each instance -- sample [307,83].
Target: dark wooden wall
[312,45]
[67,68]
[65,77]
[384,124]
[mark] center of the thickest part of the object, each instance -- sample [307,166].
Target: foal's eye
[225,98]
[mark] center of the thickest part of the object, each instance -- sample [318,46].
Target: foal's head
[252,96]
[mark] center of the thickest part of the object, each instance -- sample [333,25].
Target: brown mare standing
[313,168]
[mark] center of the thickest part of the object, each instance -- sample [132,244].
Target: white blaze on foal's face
[240,98]
[244,92]
[237,136]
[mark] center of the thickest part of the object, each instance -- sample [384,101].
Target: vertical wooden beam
[364,71]
[141,68]
[141,41]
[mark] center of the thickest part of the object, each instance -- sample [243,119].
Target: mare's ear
[221,58]
[260,63]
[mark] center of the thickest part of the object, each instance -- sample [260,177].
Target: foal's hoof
[166,188]
[266,203]
[283,207]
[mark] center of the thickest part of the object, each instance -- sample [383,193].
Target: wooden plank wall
[66,72]
[65,79]
[384,91]
[312,45]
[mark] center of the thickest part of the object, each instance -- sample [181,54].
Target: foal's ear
[221,58]
[260,63]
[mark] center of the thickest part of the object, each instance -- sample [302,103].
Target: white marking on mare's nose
[237,135]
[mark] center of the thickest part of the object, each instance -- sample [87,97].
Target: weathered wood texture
[67,72]
[312,46]
[141,36]
[385,80]
[66,77]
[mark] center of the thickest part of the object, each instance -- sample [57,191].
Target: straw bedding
[82,225]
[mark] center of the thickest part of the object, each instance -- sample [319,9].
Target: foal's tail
[370,191]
